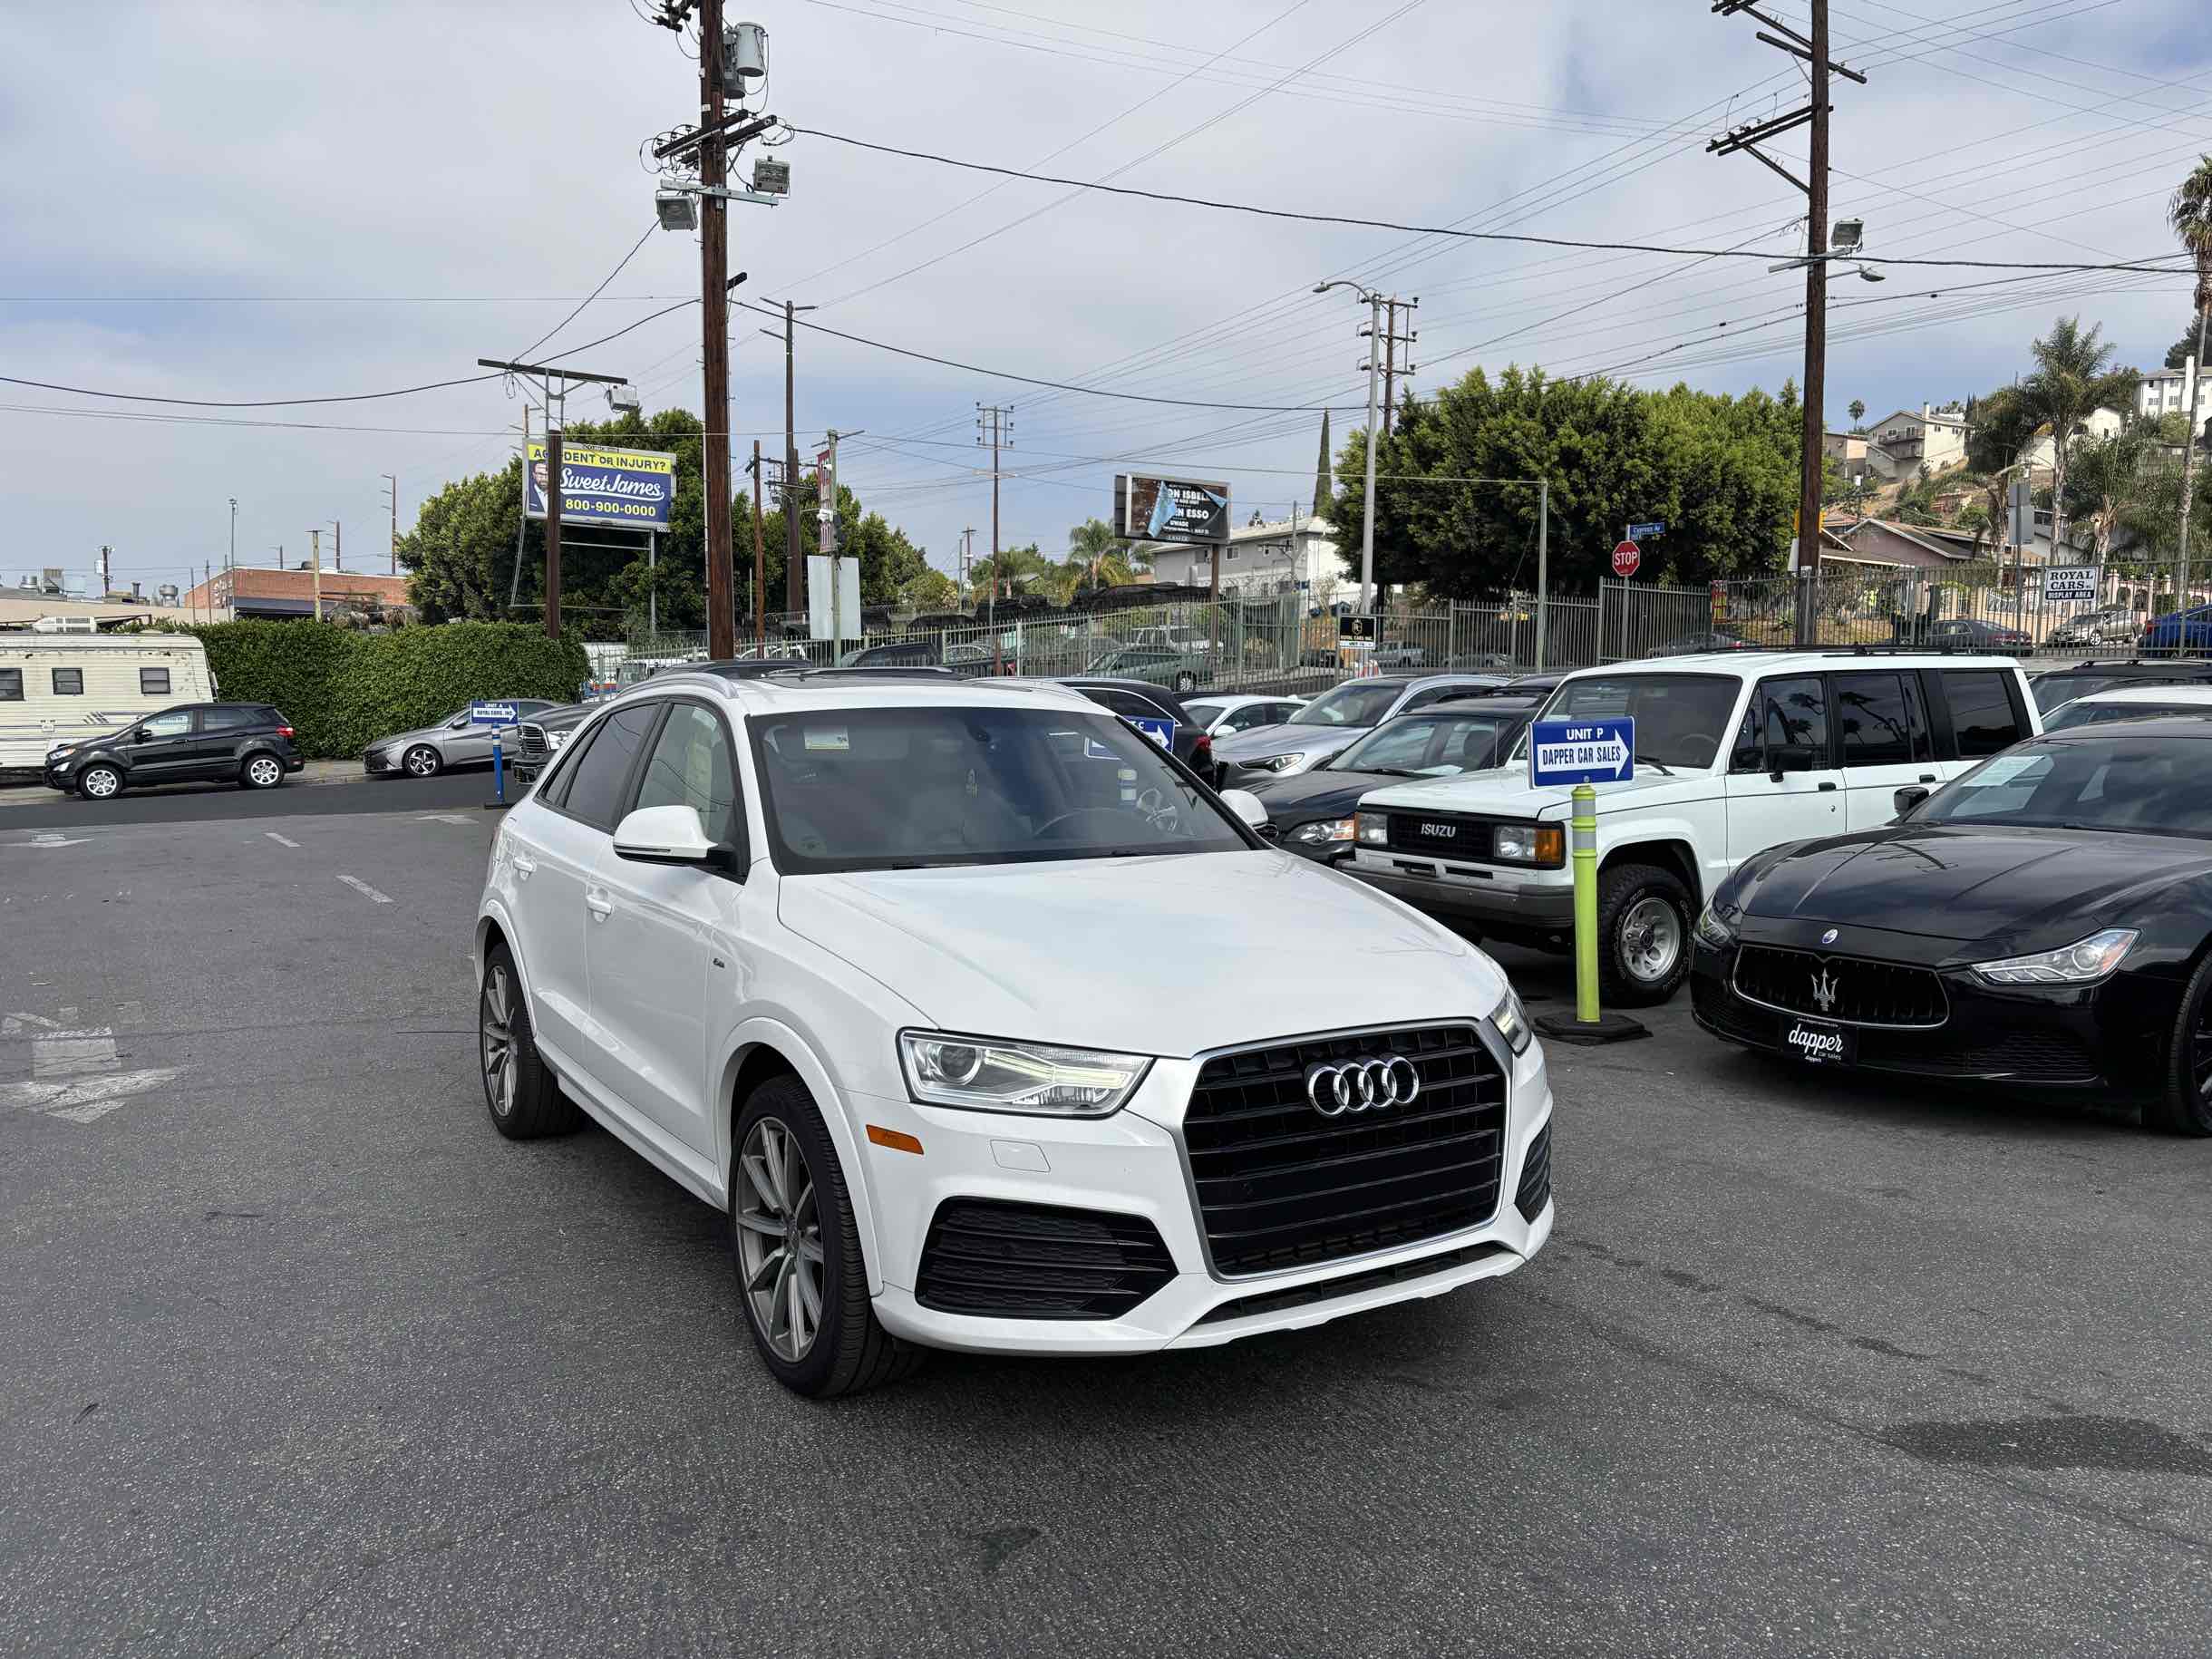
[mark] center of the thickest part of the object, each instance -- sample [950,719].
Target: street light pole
[231,563]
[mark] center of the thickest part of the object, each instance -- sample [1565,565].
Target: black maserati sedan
[2040,922]
[1311,812]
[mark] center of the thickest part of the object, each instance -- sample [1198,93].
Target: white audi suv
[990,1026]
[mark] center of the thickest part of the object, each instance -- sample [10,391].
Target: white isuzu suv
[990,1026]
[1736,752]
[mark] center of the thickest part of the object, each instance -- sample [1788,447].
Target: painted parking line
[364,888]
[75,1075]
[281,840]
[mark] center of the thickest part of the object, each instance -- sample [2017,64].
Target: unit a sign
[1581,752]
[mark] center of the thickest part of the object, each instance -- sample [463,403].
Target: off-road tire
[1621,891]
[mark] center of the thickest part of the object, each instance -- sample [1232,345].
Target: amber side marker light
[893,1138]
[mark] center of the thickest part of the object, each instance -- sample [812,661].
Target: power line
[267,403]
[587,298]
[1445,231]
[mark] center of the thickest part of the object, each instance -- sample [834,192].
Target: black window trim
[18,694]
[628,791]
[743,842]
[163,690]
[1938,704]
[55,681]
[1840,754]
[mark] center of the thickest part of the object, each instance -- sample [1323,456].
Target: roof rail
[758,668]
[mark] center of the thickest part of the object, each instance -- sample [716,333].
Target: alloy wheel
[780,1239]
[1651,940]
[264,772]
[421,762]
[98,784]
[2200,1051]
[498,1040]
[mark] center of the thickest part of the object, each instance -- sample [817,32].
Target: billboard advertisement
[1170,508]
[629,489]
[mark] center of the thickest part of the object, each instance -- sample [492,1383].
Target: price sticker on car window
[827,740]
[2005,769]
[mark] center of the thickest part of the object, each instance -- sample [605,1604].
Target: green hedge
[344,689]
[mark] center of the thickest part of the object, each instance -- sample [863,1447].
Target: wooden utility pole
[1392,341]
[715,322]
[794,567]
[760,557]
[1813,53]
[553,494]
[996,424]
[314,542]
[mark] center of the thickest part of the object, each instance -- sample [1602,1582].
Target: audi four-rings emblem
[1362,1085]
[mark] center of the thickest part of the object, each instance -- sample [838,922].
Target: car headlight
[1528,844]
[1323,831]
[1718,928]
[1512,1022]
[984,1075]
[1275,762]
[554,740]
[1374,830]
[2071,965]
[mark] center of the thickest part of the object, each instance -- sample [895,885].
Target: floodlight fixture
[677,209]
[1846,238]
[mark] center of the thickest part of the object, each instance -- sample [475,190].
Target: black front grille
[1847,988]
[1440,835]
[1352,1284]
[1535,1189]
[1032,1261]
[534,746]
[1728,1014]
[1280,1186]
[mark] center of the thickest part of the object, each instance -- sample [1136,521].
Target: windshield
[1355,703]
[2086,714]
[1428,745]
[2158,785]
[913,788]
[1680,717]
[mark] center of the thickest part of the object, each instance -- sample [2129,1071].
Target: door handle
[598,904]
[525,867]
[1828,789]
[1928,777]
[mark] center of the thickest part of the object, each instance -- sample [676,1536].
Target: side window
[690,767]
[603,775]
[153,682]
[1982,717]
[175,724]
[1128,704]
[1784,713]
[1881,719]
[10,685]
[1419,700]
[226,717]
[69,682]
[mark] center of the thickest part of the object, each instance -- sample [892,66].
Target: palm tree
[1858,413]
[1089,543]
[1014,570]
[2072,380]
[1998,430]
[2190,214]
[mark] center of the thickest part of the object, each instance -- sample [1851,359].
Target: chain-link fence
[1283,642]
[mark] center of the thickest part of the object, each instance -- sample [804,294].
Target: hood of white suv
[1167,955]
[1504,792]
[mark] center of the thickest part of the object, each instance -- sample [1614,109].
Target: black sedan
[1311,812]
[2039,923]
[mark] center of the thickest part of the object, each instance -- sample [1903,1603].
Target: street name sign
[1581,752]
[1639,532]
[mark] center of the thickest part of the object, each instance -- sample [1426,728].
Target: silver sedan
[454,741]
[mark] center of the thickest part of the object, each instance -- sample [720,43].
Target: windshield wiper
[1665,770]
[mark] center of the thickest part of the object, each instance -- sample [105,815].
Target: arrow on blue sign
[492,713]
[1582,751]
[1161,732]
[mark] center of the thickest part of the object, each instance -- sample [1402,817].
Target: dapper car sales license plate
[1820,1043]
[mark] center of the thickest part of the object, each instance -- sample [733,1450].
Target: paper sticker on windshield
[2005,769]
[833,740]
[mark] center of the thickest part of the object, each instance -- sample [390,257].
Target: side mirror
[1247,806]
[1789,757]
[669,835]
[457,722]
[1907,800]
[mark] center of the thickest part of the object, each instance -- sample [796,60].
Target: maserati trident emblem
[1828,938]
[1365,1084]
[1824,989]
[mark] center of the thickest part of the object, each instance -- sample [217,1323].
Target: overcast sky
[256,200]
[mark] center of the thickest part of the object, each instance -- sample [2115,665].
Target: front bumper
[1132,1165]
[2110,1036]
[379,763]
[1502,899]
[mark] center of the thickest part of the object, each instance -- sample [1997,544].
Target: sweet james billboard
[629,489]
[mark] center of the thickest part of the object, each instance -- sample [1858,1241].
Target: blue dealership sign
[1161,732]
[1582,751]
[482,714]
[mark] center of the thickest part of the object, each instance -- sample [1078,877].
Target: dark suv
[246,743]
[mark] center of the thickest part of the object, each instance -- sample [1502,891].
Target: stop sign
[1626,557]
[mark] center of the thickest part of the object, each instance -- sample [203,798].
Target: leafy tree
[1858,413]
[1016,570]
[1721,471]
[2178,353]
[2071,381]
[2190,214]
[2105,479]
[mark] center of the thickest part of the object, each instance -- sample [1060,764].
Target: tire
[2183,1105]
[422,762]
[524,1099]
[1635,905]
[779,1129]
[261,772]
[100,782]
[1186,681]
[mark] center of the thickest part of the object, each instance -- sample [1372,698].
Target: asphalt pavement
[301,1357]
[320,793]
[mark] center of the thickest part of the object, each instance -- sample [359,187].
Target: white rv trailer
[63,688]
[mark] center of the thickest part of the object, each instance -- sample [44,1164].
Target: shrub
[344,689]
